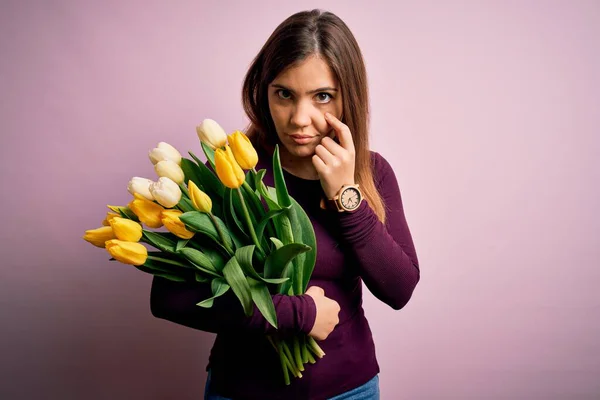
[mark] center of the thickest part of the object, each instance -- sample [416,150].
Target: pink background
[488,111]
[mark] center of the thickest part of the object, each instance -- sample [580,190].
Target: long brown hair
[301,35]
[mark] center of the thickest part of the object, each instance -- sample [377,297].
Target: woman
[306,90]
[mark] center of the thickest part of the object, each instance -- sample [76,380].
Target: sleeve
[385,254]
[176,302]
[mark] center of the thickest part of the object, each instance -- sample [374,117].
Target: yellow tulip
[147,211]
[109,216]
[127,252]
[126,229]
[202,202]
[228,170]
[99,236]
[170,218]
[242,149]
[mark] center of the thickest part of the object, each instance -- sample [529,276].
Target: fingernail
[327,115]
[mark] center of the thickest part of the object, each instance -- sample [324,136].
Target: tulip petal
[243,151]
[99,236]
[127,252]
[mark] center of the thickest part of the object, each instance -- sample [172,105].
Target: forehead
[308,74]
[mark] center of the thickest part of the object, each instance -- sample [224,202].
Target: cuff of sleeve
[295,313]
[307,311]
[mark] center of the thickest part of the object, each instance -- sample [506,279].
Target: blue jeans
[368,391]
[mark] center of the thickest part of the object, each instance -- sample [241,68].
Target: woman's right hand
[327,313]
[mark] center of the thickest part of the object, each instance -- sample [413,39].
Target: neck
[302,167]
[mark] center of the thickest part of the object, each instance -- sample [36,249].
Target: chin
[301,151]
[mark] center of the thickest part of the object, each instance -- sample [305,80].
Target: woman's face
[298,100]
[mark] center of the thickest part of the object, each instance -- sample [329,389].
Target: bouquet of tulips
[227,230]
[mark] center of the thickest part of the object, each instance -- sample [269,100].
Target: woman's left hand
[335,162]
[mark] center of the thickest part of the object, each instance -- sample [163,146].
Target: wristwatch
[347,199]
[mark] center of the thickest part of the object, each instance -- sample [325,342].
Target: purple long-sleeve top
[351,247]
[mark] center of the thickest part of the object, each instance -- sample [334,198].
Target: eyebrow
[321,89]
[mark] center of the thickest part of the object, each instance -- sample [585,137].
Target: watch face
[350,198]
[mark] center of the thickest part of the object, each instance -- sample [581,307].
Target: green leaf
[212,185]
[287,287]
[172,261]
[276,220]
[164,241]
[215,256]
[200,261]
[190,170]
[125,212]
[283,197]
[257,213]
[201,278]
[219,287]
[278,243]
[280,258]
[167,275]
[171,277]
[263,300]
[230,215]
[158,266]
[284,228]
[258,177]
[250,179]
[209,153]
[185,204]
[303,231]
[200,222]
[269,196]
[235,278]
[244,257]
[263,223]
[256,208]
[181,243]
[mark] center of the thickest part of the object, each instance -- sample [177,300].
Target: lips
[302,139]
[301,136]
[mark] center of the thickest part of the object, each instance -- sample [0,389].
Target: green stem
[221,234]
[303,347]
[310,358]
[297,356]
[247,186]
[249,222]
[315,348]
[166,261]
[284,367]
[184,190]
[290,357]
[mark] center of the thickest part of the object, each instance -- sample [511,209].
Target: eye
[324,97]
[283,94]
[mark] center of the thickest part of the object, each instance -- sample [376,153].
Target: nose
[301,114]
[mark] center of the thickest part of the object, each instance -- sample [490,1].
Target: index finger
[342,131]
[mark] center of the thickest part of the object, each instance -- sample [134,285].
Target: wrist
[347,199]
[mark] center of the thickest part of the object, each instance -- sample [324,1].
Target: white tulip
[211,133]
[166,192]
[140,186]
[164,151]
[169,169]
